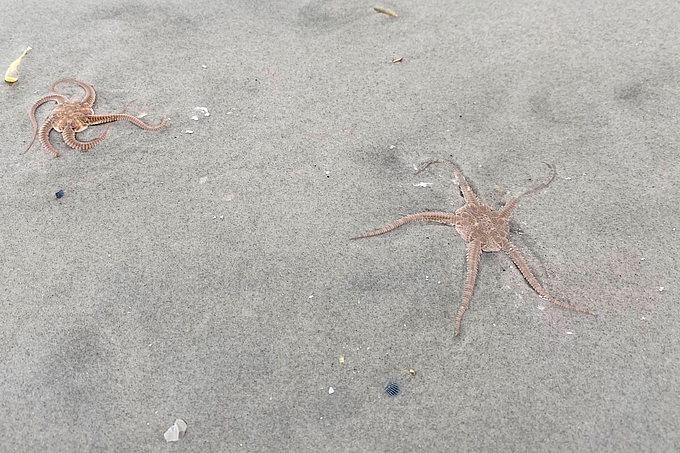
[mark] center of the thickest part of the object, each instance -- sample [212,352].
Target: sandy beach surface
[205,271]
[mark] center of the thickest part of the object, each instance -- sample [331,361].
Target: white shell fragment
[331,390]
[176,431]
[202,110]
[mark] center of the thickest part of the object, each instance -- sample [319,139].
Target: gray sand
[210,276]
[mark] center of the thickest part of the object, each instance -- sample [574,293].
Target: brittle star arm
[89,91]
[465,188]
[446,218]
[70,139]
[44,137]
[510,206]
[58,98]
[523,267]
[101,119]
[474,251]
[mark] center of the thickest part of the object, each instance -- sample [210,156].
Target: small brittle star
[73,115]
[484,230]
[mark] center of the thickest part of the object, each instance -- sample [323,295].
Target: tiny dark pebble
[392,389]
[59,194]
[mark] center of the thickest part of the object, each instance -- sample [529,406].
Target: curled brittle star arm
[446,218]
[465,188]
[101,119]
[512,204]
[89,91]
[44,137]
[70,139]
[474,251]
[523,267]
[59,98]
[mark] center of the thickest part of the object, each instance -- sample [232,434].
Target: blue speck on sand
[392,389]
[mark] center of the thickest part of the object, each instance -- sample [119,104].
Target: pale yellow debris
[389,12]
[412,371]
[342,359]
[12,73]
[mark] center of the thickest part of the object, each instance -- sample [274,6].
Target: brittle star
[73,115]
[484,230]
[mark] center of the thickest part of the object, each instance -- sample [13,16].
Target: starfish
[484,230]
[73,115]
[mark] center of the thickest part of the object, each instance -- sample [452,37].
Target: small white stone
[331,390]
[188,131]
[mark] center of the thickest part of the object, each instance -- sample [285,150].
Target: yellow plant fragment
[12,73]
[386,11]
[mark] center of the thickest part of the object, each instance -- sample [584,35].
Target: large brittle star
[484,230]
[73,115]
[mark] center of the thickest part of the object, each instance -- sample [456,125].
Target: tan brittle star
[484,230]
[73,115]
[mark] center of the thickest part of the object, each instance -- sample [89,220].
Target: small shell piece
[12,73]
[176,431]
[203,110]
